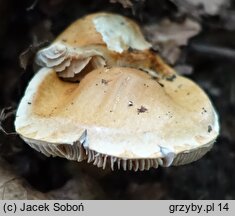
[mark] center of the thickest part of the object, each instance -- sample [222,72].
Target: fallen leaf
[201,7]
[125,3]
[167,30]
[82,187]
[27,57]
[15,187]
[168,36]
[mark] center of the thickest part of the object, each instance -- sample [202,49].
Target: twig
[32,6]
[214,50]
[4,114]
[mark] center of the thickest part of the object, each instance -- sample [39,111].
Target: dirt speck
[105,82]
[203,110]
[162,85]
[130,103]
[209,128]
[171,78]
[142,109]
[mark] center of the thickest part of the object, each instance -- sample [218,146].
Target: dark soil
[211,54]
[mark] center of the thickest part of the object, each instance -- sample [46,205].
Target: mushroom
[117,117]
[98,40]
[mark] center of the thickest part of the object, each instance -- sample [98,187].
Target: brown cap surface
[118,116]
[97,40]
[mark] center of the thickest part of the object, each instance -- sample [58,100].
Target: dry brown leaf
[125,3]
[15,187]
[201,7]
[170,31]
[211,7]
[27,57]
[80,187]
[168,36]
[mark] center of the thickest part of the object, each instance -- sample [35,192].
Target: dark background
[211,55]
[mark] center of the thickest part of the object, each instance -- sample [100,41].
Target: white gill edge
[168,156]
[78,152]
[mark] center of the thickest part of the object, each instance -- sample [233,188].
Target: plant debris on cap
[99,40]
[117,116]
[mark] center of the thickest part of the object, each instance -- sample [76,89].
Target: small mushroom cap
[117,116]
[117,32]
[97,40]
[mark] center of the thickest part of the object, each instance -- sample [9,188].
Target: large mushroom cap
[117,116]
